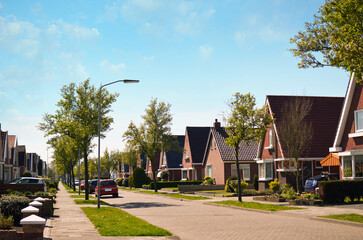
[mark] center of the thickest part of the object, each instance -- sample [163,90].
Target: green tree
[77,117]
[154,134]
[335,35]
[109,162]
[245,123]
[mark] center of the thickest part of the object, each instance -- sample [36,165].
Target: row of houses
[336,146]
[14,159]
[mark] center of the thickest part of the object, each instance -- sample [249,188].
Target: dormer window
[358,120]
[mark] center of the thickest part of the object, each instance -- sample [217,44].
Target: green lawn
[86,202]
[258,206]
[128,189]
[182,196]
[346,217]
[111,221]
[80,196]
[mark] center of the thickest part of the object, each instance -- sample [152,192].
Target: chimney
[216,124]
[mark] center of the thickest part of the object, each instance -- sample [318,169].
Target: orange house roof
[331,160]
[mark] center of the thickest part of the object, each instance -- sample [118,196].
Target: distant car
[92,185]
[312,183]
[107,187]
[14,180]
[76,182]
[82,185]
[31,180]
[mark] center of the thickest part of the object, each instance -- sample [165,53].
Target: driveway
[196,220]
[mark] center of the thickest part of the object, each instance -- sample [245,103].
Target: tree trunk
[74,185]
[154,176]
[86,185]
[238,175]
[297,176]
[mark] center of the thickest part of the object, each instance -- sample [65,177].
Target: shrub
[208,181]
[275,185]
[51,183]
[42,194]
[337,191]
[6,222]
[26,174]
[11,205]
[233,184]
[130,182]
[288,192]
[119,182]
[255,182]
[139,178]
[28,193]
[52,191]
[164,175]
[17,193]
[228,187]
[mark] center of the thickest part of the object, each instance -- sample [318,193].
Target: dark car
[312,183]
[107,187]
[92,185]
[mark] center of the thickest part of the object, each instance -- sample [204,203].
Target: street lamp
[99,133]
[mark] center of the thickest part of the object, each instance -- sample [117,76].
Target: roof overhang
[331,160]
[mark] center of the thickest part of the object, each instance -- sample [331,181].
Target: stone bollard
[33,227]
[40,199]
[30,210]
[38,205]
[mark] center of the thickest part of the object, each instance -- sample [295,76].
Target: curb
[354,224]
[240,208]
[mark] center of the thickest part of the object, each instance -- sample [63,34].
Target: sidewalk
[69,222]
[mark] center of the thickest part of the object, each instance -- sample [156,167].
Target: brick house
[272,163]
[219,158]
[13,150]
[21,149]
[5,167]
[194,148]
[171,161]
[348,142]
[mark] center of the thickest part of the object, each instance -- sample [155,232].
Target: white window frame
[186,154]
[353,167]
[356,120]
[270,139]
[264,165]
[243,167]
[211,170]
[184,170]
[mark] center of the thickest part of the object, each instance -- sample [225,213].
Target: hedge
[174,184]
[337,191]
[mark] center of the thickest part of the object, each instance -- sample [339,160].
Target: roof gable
[324,116]
[198,137]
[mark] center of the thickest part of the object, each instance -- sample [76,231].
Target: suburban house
[171,161]
[348,142]
[194,147]
[21,149]
[219,158]
[271,160]
[13,150]
[5,167]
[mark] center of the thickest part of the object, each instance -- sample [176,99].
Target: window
[186,156]
[318,164]
[265,171]
[270,137]
[184,174]
[358,120]
[347,166]
[245,168]
[209,170]
[358,166]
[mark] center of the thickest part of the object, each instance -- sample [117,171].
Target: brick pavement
[195,220]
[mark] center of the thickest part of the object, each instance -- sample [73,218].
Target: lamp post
[99,133]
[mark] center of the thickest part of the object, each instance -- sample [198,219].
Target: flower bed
[269,199]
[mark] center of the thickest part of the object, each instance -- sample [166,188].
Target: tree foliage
[336,35]
[77,117]
[154,133]
[245,123]
[295,131]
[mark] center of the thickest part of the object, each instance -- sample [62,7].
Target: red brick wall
[214,158]
[187,163]
[357,103]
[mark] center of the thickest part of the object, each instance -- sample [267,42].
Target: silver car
[33,180]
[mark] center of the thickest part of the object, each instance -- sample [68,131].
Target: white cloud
[205,51]
[78,32]
[112,68]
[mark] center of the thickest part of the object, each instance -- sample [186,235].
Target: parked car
[82,184]
[31,180]
[312,183]
[107,187]
[92,185]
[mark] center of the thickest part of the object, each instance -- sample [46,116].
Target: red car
[108,187]
[82,185]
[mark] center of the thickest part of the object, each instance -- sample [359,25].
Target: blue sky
[192,54]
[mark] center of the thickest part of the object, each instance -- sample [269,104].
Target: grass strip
[346,217]
[128,189]
[86,202]
[258,206]
[80,196]
[176,195]
[111,221]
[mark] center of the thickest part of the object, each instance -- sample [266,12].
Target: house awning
[331,160]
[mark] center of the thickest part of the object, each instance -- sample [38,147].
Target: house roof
[330,160]
[246,153]
[324,116]
[12,140]
[198,137]
[174,159]
[3,140]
